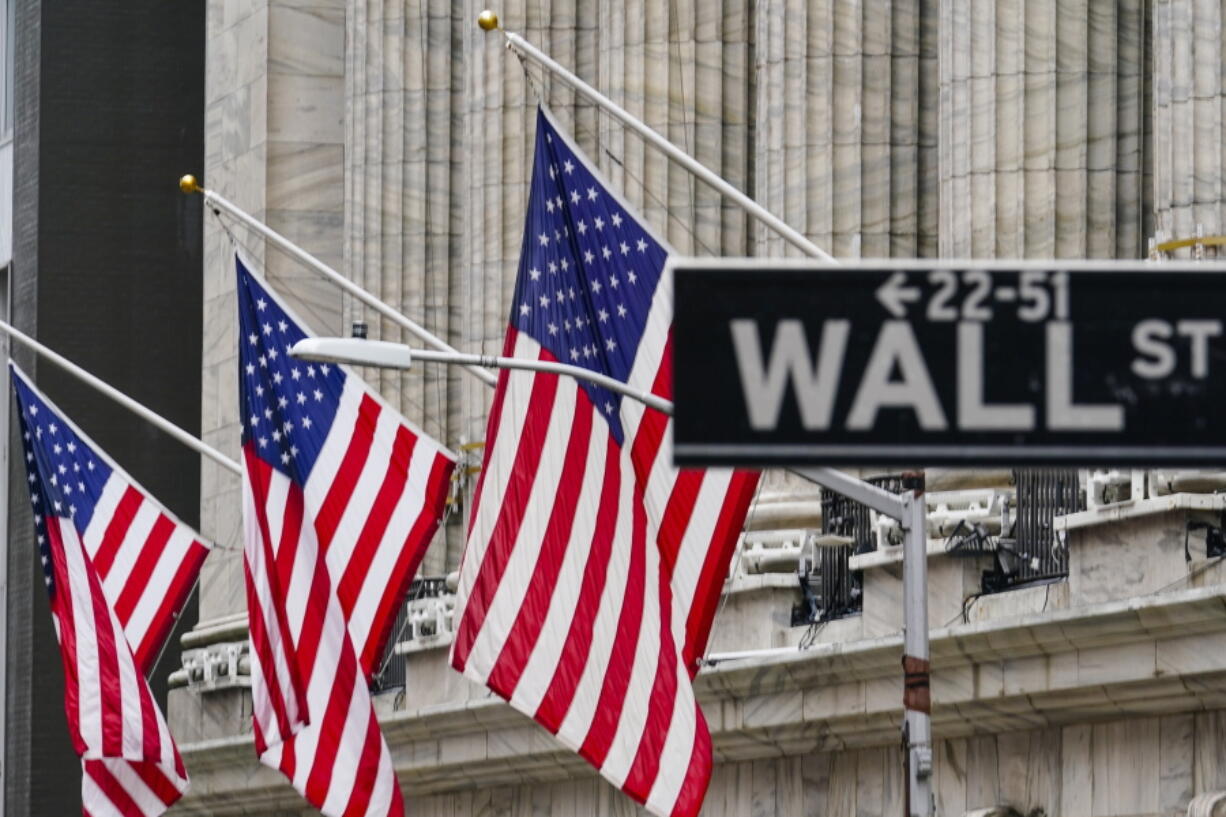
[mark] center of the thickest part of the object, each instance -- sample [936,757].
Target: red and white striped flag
[118,568]
[341,498]
[593,567]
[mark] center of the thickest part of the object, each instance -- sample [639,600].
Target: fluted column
[1189,108]
[1042,122]
[845,125]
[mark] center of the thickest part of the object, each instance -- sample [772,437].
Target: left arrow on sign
[894,296]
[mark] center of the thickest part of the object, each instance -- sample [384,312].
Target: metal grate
[1042,495]
[836,589]
[391,672]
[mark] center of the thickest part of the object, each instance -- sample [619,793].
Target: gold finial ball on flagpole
[488,20]
[188,184]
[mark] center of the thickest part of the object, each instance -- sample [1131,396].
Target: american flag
[342,496]
[593,567]
[118,568]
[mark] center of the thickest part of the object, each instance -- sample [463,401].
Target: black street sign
[949,363]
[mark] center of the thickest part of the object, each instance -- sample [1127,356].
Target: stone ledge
[1141,507]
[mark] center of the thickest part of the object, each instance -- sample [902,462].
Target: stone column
[1189,101]
[846,125]
[1041,128]
[274,146]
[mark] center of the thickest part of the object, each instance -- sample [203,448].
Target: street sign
[954,363]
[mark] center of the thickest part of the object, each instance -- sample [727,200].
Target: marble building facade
[392,139]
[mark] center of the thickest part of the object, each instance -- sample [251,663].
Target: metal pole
[916,697]
[139,409]
[704,173]
[188,184]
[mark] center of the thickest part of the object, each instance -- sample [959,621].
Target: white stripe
[153,593]
[578,719]
[696,545]
[385,783]
[678,748]
[404,516]
[130,549]
[146,799]
[104,510]
[539,670]
[319,688]
[499,463]
[332,453]
[89,697]
[129,692]
[635,709]
[349,751]
[521,563]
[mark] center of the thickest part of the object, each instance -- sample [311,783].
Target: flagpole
[139,409]
[188,184]
[489,21]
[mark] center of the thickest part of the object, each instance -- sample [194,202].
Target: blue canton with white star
[588,269]
[64,474]
[288,405]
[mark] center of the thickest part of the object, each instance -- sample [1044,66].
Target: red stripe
[711,580]
[263,649]
[117,530]
[535,606]
[367,775]
[138,579]
[332,726]
[621,662]
[566,675]
[158,782]
[366,548]
[407,561]
[151,738]
[341,489]
[176,595]
[121,801]
[698,775]
[492,425]
[61,607]
[660,706]
[510,514]
[110,689]
[676,519]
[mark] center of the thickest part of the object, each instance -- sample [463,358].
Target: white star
[273,353]
[587,351]
[325,368]
[617,220]
[557,200]
[572,293]
[263,362]
[613,282]
[282,402]
[293,450]
[596,287]
[574,196]
[255,420]
[259,390]
[301,398]
[642,245]
[608,407]
[276,435]
[267,414]
[534,274]
[306,422]
[553,269]
[90,465]
[524,309]
[553,171]
[557,235]
[277,378]
[599,222]
[544,237]
[54,429]
[568,166]
[318,395]
[72,447]
[604,316]
[268,329]
[606,253]
[565,264]
[310,371]
[63,469]
[621,310]
[67,489]
[57,448]
[250,368]
[284,459]
[549,205]
[581,227]
[553,328]
[261,304]
[625,248]
[80,486]
[633,278]
[610,344]
[282,325]
[287,426]
[295,374]
[544,299]
[559,293]
[33,410]
[566,323]
[588,257]
[252,338]
[263,442]
[58,506]
[574,354]
[76,467]
[579,323]
[592,194]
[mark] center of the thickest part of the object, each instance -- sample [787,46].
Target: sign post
[953,363]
